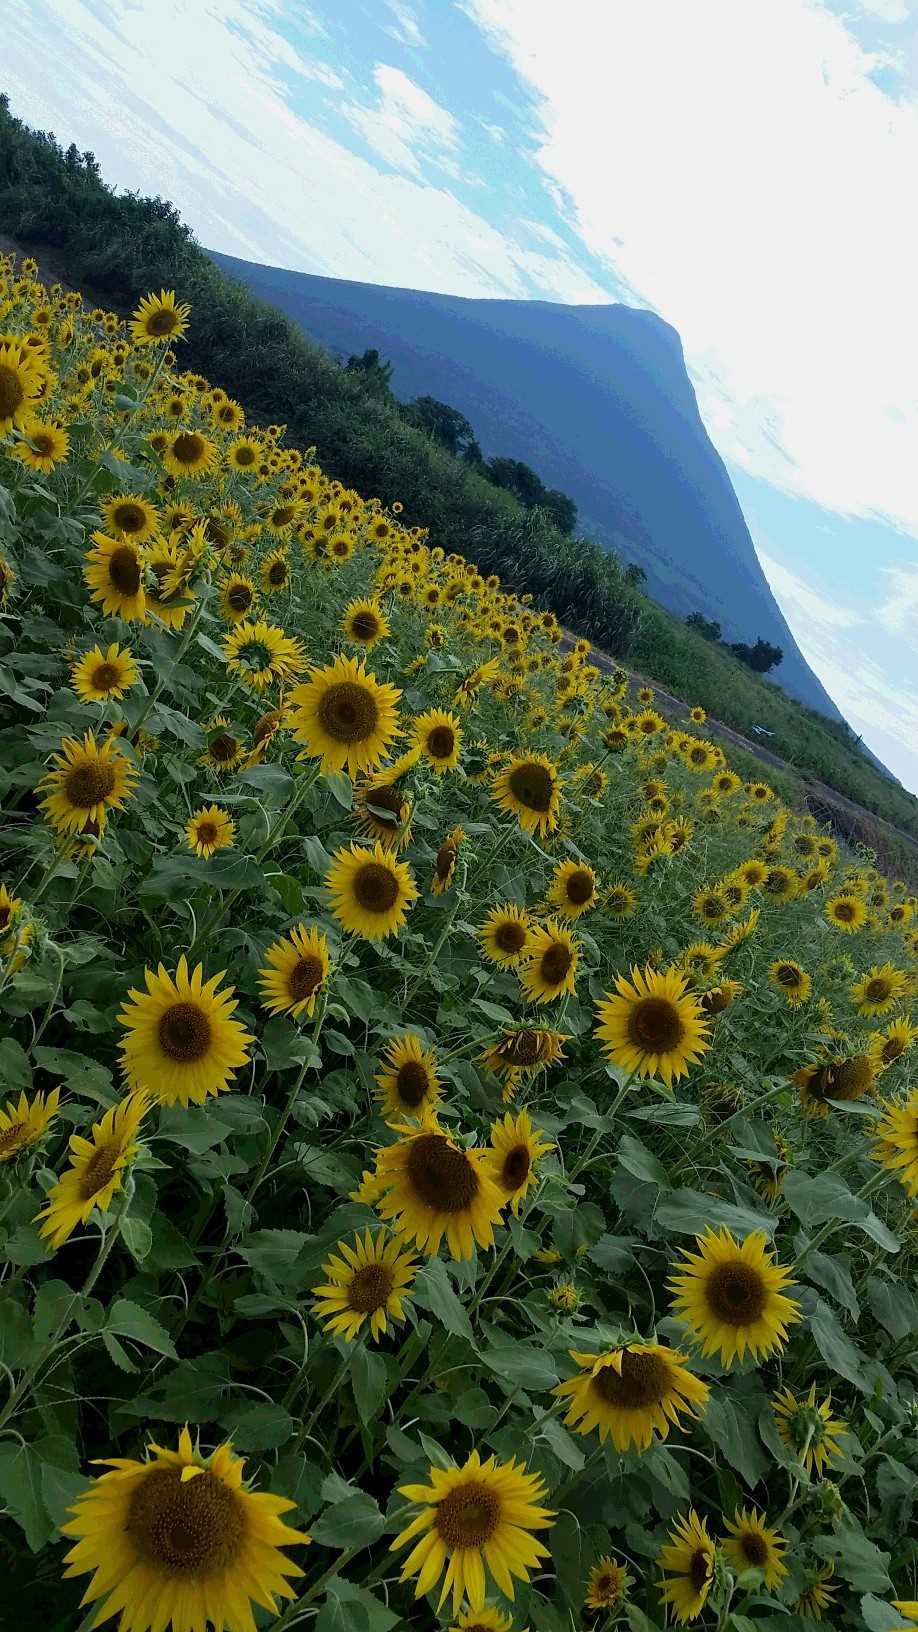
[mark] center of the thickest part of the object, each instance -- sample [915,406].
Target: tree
[761,657]
[446,425]
[707,627]
[374,374]
[635,574]
[562,509]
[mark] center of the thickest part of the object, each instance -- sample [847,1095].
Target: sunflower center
[375,888]
[411,1083]
[736,1293]
[655,1025]
[124,570]
[754,1549]
[244,455]
[6,913]
[184,1033]
[524,1048]
[892,1049]
[852,1078]
[89,784]
[43,442]
[441,741]
[446,860]
[555,963]
[161,322]
[364,626]
[440,1175]
[188,447]
[510,936]
[844,911]
[12,394]
[223,747]
[305,977]
[283,515]
[105,676]
[277,573]
[13,1138]
[207,832]
[348,712]
[515,1170]
[788,975]
[716,1000]
[98,1171]
[239,598]
[468,1516]
[532,785]
[579,887]
[370,1288]
[877,990]
[192,1531]
[699,1570]
[642,1382]
[129,518]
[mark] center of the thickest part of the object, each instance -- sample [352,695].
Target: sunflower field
[458,1141]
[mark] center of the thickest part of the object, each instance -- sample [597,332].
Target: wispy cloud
[404,26]
[898,612]
[405,126]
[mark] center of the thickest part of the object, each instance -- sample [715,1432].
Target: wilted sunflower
[365,1282]
[260,653]
[159,318]
[191,454]
[344,716]
[237,597]
[529,788]
[627,1394]
[481,1514]
[96,1171]
[168,594]
[574,888]
[382,808]
[98,675]
[620,900]
[114,572]
[837,1078]
[791,980]
[688,1560]
[224,751]
[432,1187]
[607,1583]
[808,1428]
[365,623]
[181,1044]
[818,1595]
[879,990]
[408,1082]
[87,782]
[550,965]
[751,1545]
[653,1025]
[132,516]
[517,1055]
[516,1150]
[504,935]
[180,1540]
[23,1122]
[446,861]
[296,969]
[846,912]
[210,829]
[897,1143]
[718,998]
[730,1294]
[439,737]
[371,892]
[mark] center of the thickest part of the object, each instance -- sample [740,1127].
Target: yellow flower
[21,383]
[191,454]
[408,1083]
[630,1393]
[344,716]
[159,318]
[130,516]
[433,1187]
[96,1171]
[87,781]
[297,968]
[529,788]
[793,982]
[730,1294]
[550,965]
[879,990]
[751,1545]
[897,1143]
[504,935]
[574,889]
[114,572]
[365,1282]
[10,906]
[42,446]
[98,675]
[22,1123]
[516,1150]
[371,892]
[808,1428]
[181,1044]
[688,1560]
[607,1583]
[210,829]
[846,912]
[445,864]
[260,653]
[653,1025]
[238,596]
[817,1597]
[364,623]
[275,572]
[439,737]
[181,1540]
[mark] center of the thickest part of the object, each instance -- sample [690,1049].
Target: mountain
[598,401]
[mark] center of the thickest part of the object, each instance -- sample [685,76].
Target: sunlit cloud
[405,125]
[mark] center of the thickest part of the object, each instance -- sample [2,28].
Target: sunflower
[190,453]
[130,516]
[382,809]
[439,737]
[210,829]
[244,454]
[238,596]
[718,998]
[275,572]
[224,751]
[731,1296]
[529,788]
[817,1597]
[626,1394]
[654,1026]
[364,623]
[23,1122]
[168,595]
[296,969]
[711,906]
[481,1514]
[433,1187]
[808,1428]
[10,906]
[905,1606]
[408,1082]
[260,653]
[889,1045]
[98,675]
[159,318]
[516,1150]
[446,861]
[114,572]
[21,386]
[550,965]
[42,446]
[371,891]
[483,1620]
[688,1560]
[751,1545]
[573,889]
[846,912]
[897,1146]
[620,900]
[345,717]
[839,1078]
[96,1171]
[181,1044]
[88,780]
[792,981]
[366,1281]
[504,935]
[607,1583]
[879,990]
[181,1540]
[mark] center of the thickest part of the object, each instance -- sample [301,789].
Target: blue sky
[746,169]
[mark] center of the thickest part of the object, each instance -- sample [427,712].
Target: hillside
[598,400]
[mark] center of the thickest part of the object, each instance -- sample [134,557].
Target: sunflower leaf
[128,1319]
[433,1290]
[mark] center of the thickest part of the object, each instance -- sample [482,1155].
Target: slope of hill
[598,400]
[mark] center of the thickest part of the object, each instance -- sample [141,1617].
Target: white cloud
[737,165]
[899,611]
[810,603]
[406,125]
[405,28]
[891,11]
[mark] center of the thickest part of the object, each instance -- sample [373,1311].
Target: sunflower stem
[284,1117]
[341,1562]
[434,953]
[186,640]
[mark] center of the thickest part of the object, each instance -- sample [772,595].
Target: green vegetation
[118,246]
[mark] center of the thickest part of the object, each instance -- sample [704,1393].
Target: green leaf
[856,1558]
[733,1431]
[691,1212]
[666,1114]
[340,787]
[353,1522]
[562,1443]
[137,1237]
[894,1306]
[337,1615]
[369,1380]
[613,1252]
[833,1274]
[118,1353]
[817,1198]
[522,1364]
[636,1159]
[433,1290]
[837,1350]
[20,1489]
[128,1319]
[379,1617]
[880,1617]
[25,1247]
[273,1252]
[15,1070]
[260,1427]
